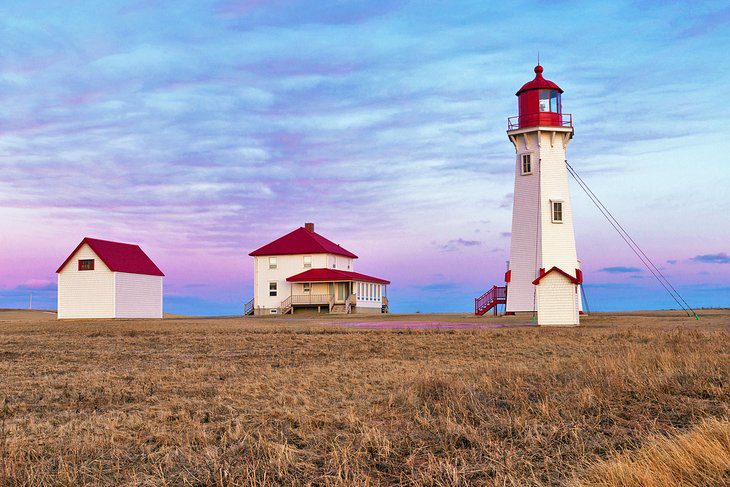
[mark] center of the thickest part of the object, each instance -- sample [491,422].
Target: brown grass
[273,401]
[699,457]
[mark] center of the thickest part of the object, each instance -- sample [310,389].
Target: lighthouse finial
[538,68]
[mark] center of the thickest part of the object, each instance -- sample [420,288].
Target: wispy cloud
[620,270]
[719,258]
[458,243]
[208,128]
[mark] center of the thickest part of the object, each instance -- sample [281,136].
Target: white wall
[138,295]
[369,295]
[557,301]
[524,243]
[287,266]
[558,239]
[85,294]
[536,241]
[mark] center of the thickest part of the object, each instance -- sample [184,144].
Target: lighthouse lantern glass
[550,101]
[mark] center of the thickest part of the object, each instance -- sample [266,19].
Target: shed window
[557,211]
[86,264]
[526,164]
[272,262]
[273,287]
[307,261]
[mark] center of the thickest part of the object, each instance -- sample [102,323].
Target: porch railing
[286,305]
[349,303]
[248,308]
[299,299]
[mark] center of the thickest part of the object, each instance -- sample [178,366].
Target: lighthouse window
[526,164]
[557,215]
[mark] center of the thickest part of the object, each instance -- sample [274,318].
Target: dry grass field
[628,399]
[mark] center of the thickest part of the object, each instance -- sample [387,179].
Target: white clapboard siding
[524,244]
[287,266]
[138,295]
[557,301]
[558,239]
[85,294]
[536,241]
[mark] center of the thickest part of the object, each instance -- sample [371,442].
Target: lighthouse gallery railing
[513,123]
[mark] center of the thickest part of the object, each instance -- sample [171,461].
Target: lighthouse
[543,273]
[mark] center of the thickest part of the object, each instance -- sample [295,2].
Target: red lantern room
[540,105]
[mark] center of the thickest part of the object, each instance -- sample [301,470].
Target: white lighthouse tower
[543,272]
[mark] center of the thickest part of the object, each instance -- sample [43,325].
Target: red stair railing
[490,299]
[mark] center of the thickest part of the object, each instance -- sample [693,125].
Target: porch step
[338,309]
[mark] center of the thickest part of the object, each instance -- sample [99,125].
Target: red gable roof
[119,257]
[319,275]
[302,241]
[575,280]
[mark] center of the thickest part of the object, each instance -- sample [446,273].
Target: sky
[202,130]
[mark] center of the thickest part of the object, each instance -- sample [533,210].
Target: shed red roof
[578,279]
[119,257]
[302,241]
[324,274]
[539,83]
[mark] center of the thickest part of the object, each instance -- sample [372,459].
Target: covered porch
[336,292]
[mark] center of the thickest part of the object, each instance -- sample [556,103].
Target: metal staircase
[489,300]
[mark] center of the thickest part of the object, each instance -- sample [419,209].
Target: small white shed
[103,279]
[557,297]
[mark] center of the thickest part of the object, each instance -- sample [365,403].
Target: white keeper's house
[103,279]
[305,272]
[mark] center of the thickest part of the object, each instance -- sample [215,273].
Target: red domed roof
[539,83]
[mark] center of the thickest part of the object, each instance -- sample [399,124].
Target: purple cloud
[457,243]
[719,258]
[620,270]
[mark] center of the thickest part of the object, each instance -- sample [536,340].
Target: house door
[342,288]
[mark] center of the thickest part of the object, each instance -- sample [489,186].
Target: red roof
[119,257]
[539,83]
[324,274]
[302,241]
[575,280]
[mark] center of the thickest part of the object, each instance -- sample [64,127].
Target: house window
[273,311]
[273,286]
[86,264]
[272,262]
[526,164]
[557,211]
[307,287]
[307,261]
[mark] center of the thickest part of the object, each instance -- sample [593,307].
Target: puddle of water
[436,325]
